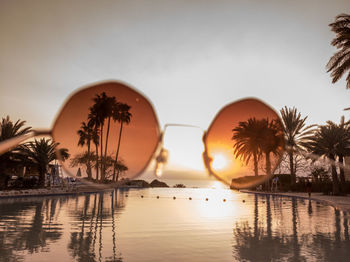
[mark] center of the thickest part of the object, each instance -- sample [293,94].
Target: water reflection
[110,227]
[272,242]
[27,227]
[92,222]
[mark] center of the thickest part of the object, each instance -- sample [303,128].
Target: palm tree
[86,133]
[95,123]
[295,133]
[339,63]
[110,103]
[100,111]
[121,113]
[342,148]
[41,153]
[247,140]
[272,138]
[324,143]
[10,129]
[256,137]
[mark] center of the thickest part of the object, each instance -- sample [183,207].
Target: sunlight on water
[171,224]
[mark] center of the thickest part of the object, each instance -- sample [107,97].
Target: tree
[94,122]
[339,63]
[100,111]
[10,129]
[342,148]
[295,133]
[86,133]
[121,113]
[272,141]
[247,141]
[258,137]
[41,153]
[324,143]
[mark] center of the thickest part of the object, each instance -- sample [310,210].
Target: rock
[157,183]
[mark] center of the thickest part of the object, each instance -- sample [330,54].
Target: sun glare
[219,162]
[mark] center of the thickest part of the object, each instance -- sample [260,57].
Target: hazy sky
[189,58]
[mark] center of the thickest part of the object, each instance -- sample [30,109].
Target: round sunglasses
[111,132]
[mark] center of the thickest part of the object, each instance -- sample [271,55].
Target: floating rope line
[207,199]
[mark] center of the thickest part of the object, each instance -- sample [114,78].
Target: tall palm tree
[272,138]
[121,113]
[100,111]
[10,129]
[86,133]
[256,137]
[295,133]
[247,141]
[324,143]
[339,63]
[94,121]
[41,153]
[109,105]
[342,148]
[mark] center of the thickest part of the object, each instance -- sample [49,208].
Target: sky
[190,58]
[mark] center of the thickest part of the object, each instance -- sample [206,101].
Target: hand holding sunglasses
[111,131]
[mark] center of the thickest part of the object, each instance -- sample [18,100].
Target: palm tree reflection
[265,241]
[91,245]
[36,236]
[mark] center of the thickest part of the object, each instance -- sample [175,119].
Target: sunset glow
[219,162]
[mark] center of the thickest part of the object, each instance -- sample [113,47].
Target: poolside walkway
[340,202]
[54,191]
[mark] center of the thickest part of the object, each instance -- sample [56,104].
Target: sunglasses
[111,132]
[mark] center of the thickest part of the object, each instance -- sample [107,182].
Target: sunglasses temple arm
[15,141]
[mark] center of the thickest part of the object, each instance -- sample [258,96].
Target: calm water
[123,226]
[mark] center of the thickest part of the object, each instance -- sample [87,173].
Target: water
[123,226]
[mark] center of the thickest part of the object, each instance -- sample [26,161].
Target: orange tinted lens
[109,130]
[244,143]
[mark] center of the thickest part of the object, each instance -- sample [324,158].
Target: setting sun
[219,162]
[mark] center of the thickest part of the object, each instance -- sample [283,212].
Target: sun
[220,162]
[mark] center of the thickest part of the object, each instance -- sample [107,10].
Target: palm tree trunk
[106,144]
[42,173]
[101,153]
[97,166]
[268,170]
[342,175]
[334,176]
[291,166]
[268,164]
[117,154]
[255,164]
[89,163]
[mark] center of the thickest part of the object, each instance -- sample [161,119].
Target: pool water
[136,225]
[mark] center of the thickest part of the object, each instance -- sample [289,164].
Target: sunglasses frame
[13,142]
